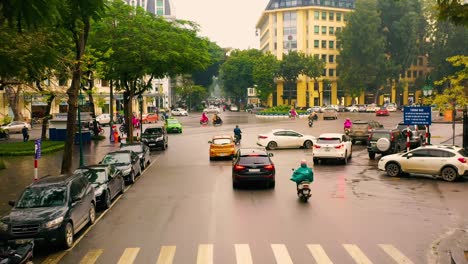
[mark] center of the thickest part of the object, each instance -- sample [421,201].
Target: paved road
[184,210]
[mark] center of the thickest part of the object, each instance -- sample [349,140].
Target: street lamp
[140,101]
[80,103]
[427,92]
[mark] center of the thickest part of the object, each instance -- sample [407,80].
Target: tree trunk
[13,101]
[91,102]
[47,116]
[128,112]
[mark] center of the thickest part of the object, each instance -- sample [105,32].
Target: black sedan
[253,165]
[107,181]
[141,150]
[126,161]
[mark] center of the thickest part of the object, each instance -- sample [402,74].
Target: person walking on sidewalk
[25,133]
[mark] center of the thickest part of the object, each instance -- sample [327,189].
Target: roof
[54,180]
[282,129]
[222,136]
[120,151]
[248,151]
[331,135]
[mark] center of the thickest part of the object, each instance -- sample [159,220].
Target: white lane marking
[166,255]
[319,254]
[281,254]
[243,254]
[92,256]
[356,253]
[205,254]
[395,254]
[54,258]
[129,256]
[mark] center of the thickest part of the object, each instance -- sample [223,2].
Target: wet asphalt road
[184,207]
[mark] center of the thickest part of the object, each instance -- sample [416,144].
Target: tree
[265,69]
[292,65]
[191,93]
[454,11]
[217,58]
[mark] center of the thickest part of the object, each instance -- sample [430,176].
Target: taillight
[339,146]
[392,137]
[369,128]
[316,146]
[462,160]
[262,137]
[269,167]
[239,167]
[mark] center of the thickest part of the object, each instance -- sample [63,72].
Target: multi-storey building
[157,7]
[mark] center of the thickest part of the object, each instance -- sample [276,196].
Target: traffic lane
[188,201]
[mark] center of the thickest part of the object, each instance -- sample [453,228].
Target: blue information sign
[417,115]
[37,148]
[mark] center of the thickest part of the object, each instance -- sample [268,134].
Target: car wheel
[272,184]
[107,200]
[372,155]
[345,160]
[211,158]
[235,185]
[164,146]
[316,161]
[122,190]
[351,154]
[393,169]
[91,214]
[68,238]
[353,141]
[132,177]
[308,144]
[143,166]
[272,145]
[449,174]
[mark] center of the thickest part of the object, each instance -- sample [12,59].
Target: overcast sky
[229,23]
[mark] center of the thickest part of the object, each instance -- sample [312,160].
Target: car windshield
[251,160]
[172,122]
[116,158]
[96,176]
[221,141]
[377,135]
[383,108]
[403,126]
[328,141]
[135,148]
[153,131]
[463,152]
[42,197]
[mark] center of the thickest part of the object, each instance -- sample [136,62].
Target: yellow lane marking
[166,255]
[205,254]
[91,256]
[54,258]
[243,254]
[319,254]
[281,254]
[395,254]
[128,256]
[357,254]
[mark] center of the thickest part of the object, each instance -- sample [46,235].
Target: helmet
[303,162]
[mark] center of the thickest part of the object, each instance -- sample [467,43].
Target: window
[324,72]
[331,30]
[316,29]
[403,75]
[324,44]
[324,58]
[316,43]
[324,30]
[420,73]
[415,74]
[331,72]
[331,58]
[331,44]
[76,189]
[408,74]
[331,16]
[316,15]
[324,15]
[338,16]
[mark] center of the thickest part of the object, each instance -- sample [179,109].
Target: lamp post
[427,92]
[140,101]
[80,103]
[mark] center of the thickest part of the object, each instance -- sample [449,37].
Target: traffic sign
[417,115]
[37,148]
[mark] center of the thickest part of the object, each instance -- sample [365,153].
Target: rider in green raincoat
[303,173]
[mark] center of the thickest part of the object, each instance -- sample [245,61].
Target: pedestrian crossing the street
[243,255]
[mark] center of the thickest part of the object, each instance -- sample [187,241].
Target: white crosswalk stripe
[356,253]
[395,254]
[319,254]
[243,255]
[281,254]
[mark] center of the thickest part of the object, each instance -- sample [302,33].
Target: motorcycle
[217,122]
[20,254]
[311,122]
[303,191]
[204,121]
[237,139]
[347,130]
[123,128]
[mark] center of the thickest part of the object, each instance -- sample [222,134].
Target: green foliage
[27,148]
[98,137]
[455,11]
[2,164]
[6,120]
[264,71]
[205,77]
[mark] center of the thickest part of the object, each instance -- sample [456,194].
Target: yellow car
[222,147]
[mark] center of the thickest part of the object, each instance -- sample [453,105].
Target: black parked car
[253,165]
[125,160]
[155,137]
[51,210]
[141,150]
[385,141]
[107,181]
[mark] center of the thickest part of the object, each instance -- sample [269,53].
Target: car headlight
[126,171]
[159,138]
[144,139]
[98,190]
[3,227]
[54,223]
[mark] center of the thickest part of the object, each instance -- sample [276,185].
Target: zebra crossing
[243,255]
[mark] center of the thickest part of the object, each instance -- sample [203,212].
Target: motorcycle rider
[204,118]
[237,132]
[312,117]
[347,124]
[217,120]
[303,173]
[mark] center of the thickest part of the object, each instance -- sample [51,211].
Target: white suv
[333,146]
[448,162]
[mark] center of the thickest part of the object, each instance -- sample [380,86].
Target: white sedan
[333,146]
[16,126]
[285,138]
[179,112]
[211,110]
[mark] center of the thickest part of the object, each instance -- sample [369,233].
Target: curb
[450,248]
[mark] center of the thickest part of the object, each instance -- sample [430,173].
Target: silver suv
[417,133]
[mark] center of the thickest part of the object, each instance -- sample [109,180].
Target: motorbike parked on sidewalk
[17,254]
